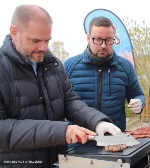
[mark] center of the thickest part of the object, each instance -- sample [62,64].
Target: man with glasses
[103,79]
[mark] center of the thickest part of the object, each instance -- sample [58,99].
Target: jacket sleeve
[29,134]
[134,90]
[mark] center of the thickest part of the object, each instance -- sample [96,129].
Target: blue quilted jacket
[105,89]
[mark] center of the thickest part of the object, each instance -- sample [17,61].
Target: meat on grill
[115,148]
[143,132]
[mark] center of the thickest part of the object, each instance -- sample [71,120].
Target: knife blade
[112,140]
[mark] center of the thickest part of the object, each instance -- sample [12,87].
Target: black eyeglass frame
[102,41]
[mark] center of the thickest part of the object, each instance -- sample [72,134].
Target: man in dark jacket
[103,79]
[36,96]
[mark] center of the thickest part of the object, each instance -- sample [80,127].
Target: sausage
[115,148]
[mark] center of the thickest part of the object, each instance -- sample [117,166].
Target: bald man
[36,96]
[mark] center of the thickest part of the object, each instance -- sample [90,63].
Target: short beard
[28,58]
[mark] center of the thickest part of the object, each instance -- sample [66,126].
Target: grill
[91,155]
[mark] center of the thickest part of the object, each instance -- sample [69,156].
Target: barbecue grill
[89,155]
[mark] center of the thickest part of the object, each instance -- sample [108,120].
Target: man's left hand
[102,127]
[135,105]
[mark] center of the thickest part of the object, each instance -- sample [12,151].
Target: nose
[103,45]
[43,46]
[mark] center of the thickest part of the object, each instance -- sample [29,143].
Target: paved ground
[134,122]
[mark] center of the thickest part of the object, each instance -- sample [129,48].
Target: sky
[68,17]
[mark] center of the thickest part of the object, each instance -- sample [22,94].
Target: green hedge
[128,111]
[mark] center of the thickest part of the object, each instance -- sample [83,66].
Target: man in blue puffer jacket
[103,79]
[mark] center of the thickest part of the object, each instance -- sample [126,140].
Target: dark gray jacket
[32,109]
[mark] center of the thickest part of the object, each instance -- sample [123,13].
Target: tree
[57,48]
[140,39]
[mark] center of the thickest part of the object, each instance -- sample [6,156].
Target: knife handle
[79,139]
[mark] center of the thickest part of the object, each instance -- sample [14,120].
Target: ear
[88,38]
[13,32]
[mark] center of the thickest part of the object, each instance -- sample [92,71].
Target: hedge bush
[128,111]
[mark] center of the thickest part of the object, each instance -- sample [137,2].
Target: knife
[112,140]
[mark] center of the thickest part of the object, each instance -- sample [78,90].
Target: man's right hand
[73,131]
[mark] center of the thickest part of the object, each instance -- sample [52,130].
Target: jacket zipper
[41,94]
[99,88]
[109,82]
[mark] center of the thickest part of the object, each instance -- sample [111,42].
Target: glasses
[99,41]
